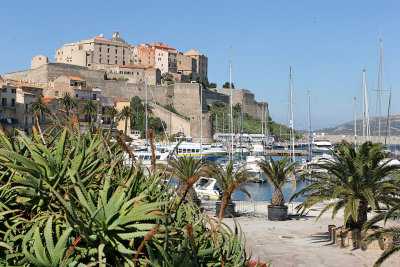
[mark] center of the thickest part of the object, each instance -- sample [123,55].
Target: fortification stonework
[185,97]
[207,127]
[251,106]
[174,122]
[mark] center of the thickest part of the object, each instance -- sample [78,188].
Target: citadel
[111,72]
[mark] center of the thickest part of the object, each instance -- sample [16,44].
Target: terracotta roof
[132,67]
[161,45]
[145,49]
[193,52]
[26,93]
[47,99]
[169,51]
[74,78]
[24,84]
[152,69]
[120,99]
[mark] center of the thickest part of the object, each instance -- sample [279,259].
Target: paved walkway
[302,242]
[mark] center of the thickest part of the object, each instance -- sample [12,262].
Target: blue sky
[327,43]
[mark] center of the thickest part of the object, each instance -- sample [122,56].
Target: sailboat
[291,124]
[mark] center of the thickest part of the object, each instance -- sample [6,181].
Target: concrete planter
[277,213]
[229,212]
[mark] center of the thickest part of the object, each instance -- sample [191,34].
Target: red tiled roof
[74,78]
[169,51]
[25,93]
[119,99]
[132,67]
[161,45]
[152,69]
[24,84]
[47,99]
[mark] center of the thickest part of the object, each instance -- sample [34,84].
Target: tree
[357,179]
[167,76]
[278,173]
[38,108]
[393,232]
[187,170]
[213,85]
[226,85]
[90,110]
[229,180]
[156,124]
[125,114]
[68,102]
[112,112]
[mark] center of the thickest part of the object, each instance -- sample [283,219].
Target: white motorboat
[207,189]
[322,146]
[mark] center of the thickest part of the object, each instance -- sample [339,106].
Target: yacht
[322,147]
[207,189]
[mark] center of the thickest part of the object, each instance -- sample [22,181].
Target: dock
[276,152]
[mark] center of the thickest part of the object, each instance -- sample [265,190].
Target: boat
[207,189]
[322,147]
[193,150]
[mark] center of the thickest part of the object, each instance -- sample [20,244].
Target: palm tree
[393,232]
[278,173]
[125,114]
[90,109]
[357,179]
[229,180]
[187,170]
[38,108]
[68,102]
[112,112]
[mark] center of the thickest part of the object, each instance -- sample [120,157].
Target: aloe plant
[71,201]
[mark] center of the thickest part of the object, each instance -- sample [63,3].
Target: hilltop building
[95,52]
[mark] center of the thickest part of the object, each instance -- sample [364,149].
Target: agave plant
[74,202]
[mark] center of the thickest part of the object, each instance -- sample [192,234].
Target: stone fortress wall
[185,97]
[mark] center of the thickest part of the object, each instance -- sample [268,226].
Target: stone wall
[207,127]
[173,121]
[251,106]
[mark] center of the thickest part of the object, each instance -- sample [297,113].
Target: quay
[277,152]
[302,240]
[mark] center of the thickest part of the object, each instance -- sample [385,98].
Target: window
[56,93]
[4,102]
[26,106]
[99,49]
[13,103]
[94,96]
[108,50]
[115,62]
[116,51]
[137,73]
[108,61]
[100,60]
[76,95]
[4,90]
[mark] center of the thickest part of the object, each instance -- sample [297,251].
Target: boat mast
[355,123]
[380,90]
[147,126]
[201,120]
[241,128]
[363,106]
[388,118]
[230,88]
[309,125]
[291,115]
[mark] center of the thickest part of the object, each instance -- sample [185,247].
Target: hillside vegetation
[251,125]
